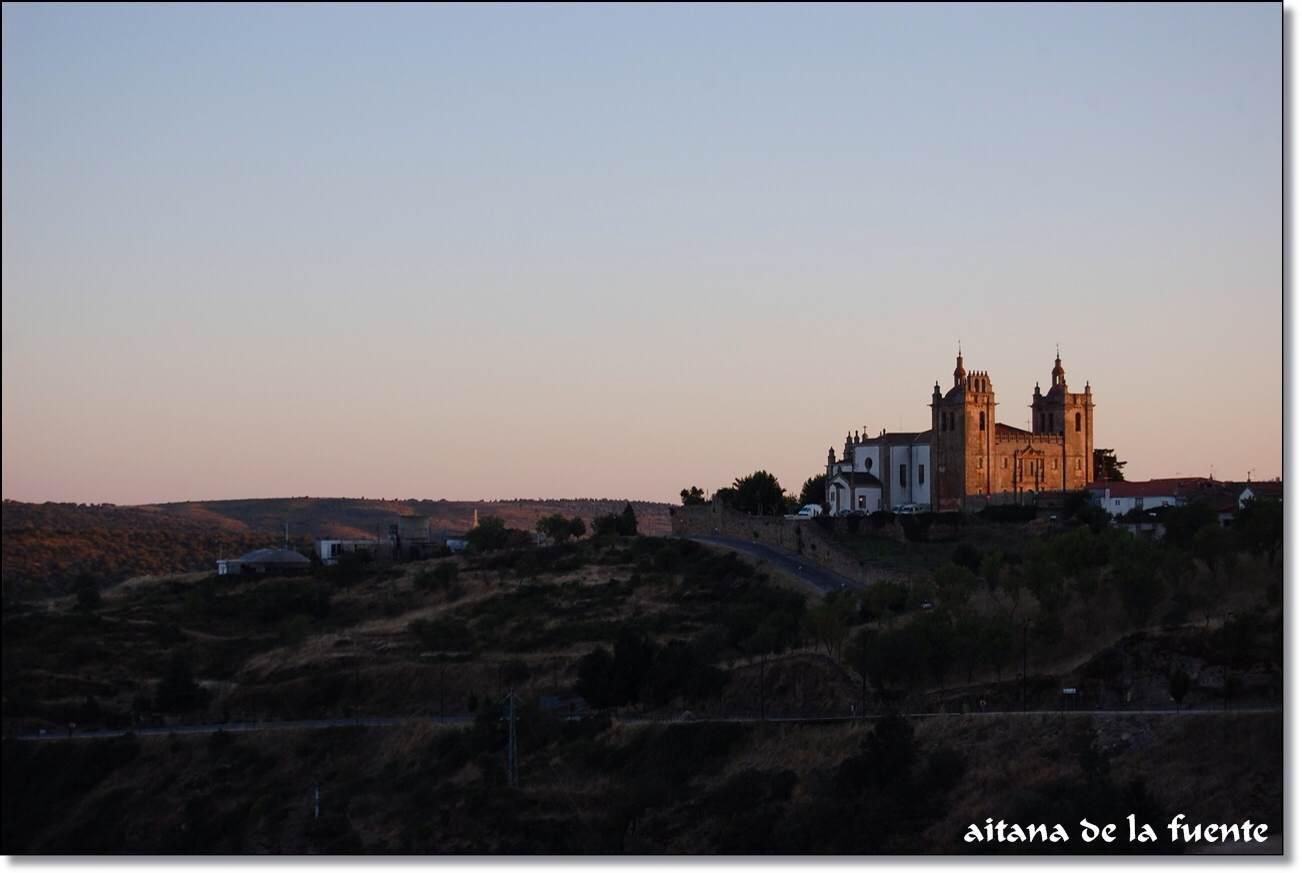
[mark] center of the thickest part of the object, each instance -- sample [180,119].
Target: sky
[488,252]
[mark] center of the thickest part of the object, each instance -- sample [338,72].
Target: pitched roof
[899,436]
[1265,489]
[861,480]
[1155,487]
[273,556]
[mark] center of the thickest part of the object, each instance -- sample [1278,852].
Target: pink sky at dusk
[566,252]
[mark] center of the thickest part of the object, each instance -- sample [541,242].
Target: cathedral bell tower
[1061,413]
[962,433]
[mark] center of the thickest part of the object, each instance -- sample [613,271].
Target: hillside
[597,787]
[47,546]
[618,647]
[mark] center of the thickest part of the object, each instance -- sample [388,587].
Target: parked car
[809,510]
[907,509]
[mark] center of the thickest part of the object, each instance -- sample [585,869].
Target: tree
[692,496]
[1044,580]
[1178,685]
[829,623]
[596,678]
[759,494]
[937,633]
[634,654]
[814,490]
[628,521]
[769,638]
[998,643]
[178,692]
[1106,466]
[1138,582]
[1259,527]
[491,533]
[605,525]
[889,750]
[578,529]
[556,528]
[859,655]
[1182,523]
[955,584]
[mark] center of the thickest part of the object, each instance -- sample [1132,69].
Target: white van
[808,511]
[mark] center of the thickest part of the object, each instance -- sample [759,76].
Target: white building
[881,472]
[330,550]
[1261,491]
[1118,498]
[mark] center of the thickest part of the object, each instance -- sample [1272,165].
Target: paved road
[462,720]
[811,574]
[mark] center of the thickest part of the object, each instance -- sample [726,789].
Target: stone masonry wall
[803,538]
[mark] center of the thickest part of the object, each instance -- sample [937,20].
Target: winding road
[825,581]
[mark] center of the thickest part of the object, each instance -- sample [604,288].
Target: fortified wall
[803,538]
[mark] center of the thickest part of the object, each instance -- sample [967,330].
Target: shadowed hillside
[47,547]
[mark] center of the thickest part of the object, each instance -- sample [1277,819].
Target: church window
[1050,421]
[983,421]
[1055,465]
[867,463]
[904,475]
[1078,422]
[922,474]
[980,463]
[1005,463]
[1078,465]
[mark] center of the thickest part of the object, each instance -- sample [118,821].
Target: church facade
[967,459]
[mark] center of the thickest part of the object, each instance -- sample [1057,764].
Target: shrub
[178,692]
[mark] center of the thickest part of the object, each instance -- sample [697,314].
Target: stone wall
[803,538]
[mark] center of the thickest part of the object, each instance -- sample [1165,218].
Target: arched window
[922,474]
[983,421]
[1078,422]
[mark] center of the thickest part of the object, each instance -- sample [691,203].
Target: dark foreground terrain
[670,697]
[591,786]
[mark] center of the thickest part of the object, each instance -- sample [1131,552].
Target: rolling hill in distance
[47,546]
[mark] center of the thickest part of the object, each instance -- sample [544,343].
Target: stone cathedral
[967,460]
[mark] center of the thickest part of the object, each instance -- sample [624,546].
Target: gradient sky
[481,252]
